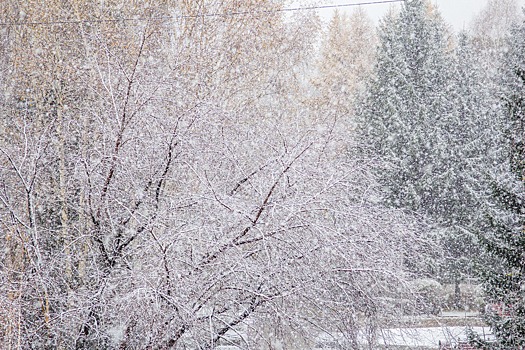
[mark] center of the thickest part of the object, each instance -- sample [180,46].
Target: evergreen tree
[504,237]
[428,116]
[398,116]
[466,135]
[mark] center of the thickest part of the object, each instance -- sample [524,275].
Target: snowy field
[428,337]
[409,338]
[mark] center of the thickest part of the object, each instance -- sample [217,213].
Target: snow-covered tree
[492,24]
[179,197]
[503,237]
[489,30]
[466,136]
[429,116]
[405,101]
[347,57]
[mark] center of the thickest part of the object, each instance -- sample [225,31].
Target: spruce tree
[427,117]
[466,134]
[504,236]
[398,116]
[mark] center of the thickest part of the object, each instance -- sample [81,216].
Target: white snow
[429,337]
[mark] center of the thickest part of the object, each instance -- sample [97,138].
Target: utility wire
[204,15]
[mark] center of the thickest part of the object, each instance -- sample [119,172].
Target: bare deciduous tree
[162,188]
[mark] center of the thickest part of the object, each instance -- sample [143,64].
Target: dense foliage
[504,238]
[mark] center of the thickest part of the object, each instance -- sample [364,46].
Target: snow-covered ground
[429,337]
[412,338]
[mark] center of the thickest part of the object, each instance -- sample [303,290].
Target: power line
[204,15]
[341,5]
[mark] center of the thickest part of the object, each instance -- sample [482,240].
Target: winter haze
[252,174]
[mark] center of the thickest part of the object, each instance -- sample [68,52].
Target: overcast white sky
[458,13]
